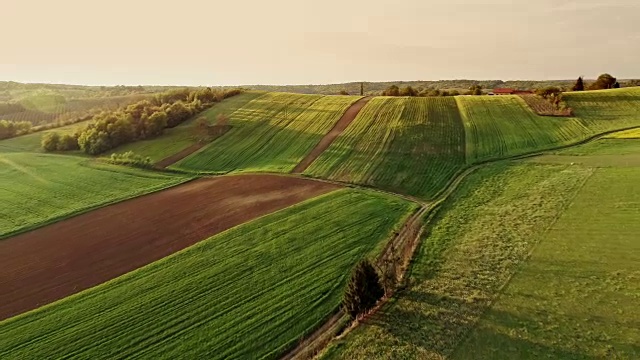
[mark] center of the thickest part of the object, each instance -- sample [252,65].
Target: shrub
[363,291]
[67,142]
[131,159]
[50,141]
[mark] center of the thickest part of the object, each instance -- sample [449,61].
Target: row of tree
[10,129]
[143,120]
[394,90]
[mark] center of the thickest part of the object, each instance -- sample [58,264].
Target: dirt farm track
[64,258]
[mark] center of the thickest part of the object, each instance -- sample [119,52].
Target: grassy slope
[629,134]
[31,142]
[485,230]
[407,145]
[500,126]
[578,295]
[504,125]
[605,110]
[249,292]
[271,133]
[38,188]
[181,137]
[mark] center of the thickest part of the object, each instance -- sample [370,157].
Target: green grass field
[181,137]
[407,145]
[32,142]
[39,188]
[628,134]
[271,133]
[578,295]
[605,110]
[482,235]
[501,126]
[249,292]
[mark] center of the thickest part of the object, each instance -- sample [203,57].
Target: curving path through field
[337,129]
[67,257]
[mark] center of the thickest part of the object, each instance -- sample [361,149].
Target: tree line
[9,129]
[143,120]
[394,90]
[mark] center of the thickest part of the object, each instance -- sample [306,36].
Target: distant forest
[376,88]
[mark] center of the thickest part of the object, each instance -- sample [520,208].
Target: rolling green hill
[182,136]
[270,133]
[501,126]
[408,145]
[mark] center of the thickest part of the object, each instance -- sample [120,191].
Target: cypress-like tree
[579,85]
[363,291]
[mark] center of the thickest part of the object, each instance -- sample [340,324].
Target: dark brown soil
[338,128]
[64,258]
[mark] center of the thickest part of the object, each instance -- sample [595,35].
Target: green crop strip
[250,292]
[412,146]
[271,133]
[38,189]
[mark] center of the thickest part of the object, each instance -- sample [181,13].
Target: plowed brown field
[64,258]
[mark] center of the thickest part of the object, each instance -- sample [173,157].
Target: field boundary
[345,120]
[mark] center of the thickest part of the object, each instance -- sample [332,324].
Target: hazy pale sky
[232,42]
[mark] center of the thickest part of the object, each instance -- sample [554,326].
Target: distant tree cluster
[10,129]
[143,120]
[394,90]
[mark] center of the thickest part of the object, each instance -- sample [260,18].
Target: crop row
[407,145]
[501,126]
[271,133]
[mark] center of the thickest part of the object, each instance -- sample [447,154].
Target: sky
[223,42]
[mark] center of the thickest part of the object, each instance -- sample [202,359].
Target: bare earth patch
[59,260]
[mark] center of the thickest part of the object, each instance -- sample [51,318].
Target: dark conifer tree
[363,291]
[579,85]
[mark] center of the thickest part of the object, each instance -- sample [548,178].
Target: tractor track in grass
[328,139]
[64,258]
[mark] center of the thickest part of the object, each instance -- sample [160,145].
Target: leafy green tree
[363,290]
[579,85]
[408,91]
[392,90]
[475,90]
[604,81]
[67,142]
[49,141]
[177,113]
[155,124]
[616,85]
